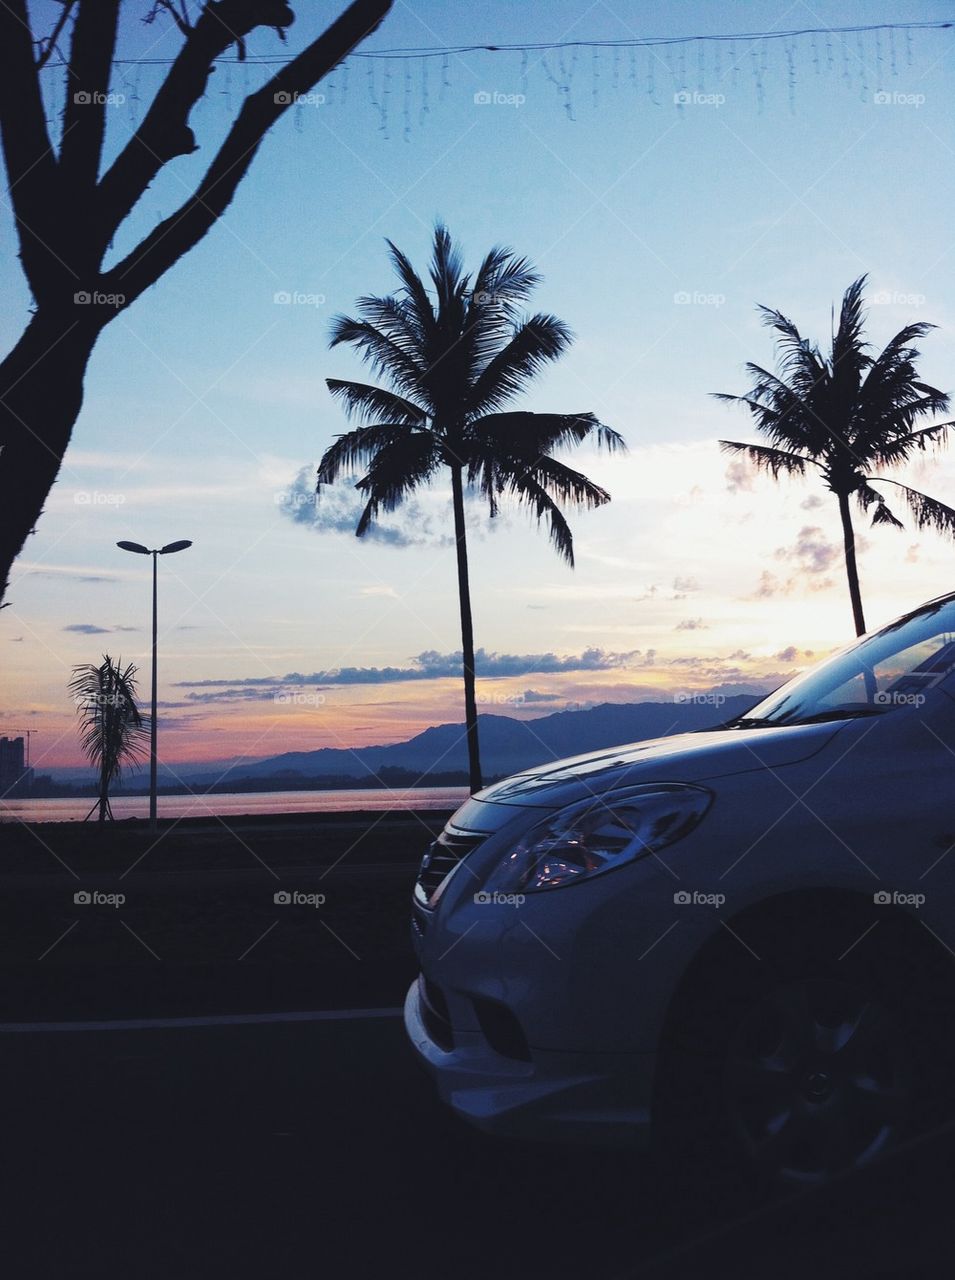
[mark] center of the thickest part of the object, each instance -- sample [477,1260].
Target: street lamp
[167,550]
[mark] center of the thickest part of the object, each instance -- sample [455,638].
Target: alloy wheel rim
[816,1081]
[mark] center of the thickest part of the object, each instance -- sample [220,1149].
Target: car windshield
[894,668]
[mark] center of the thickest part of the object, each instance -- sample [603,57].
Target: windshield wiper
[818,717]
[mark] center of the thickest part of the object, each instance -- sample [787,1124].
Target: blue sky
[657,228]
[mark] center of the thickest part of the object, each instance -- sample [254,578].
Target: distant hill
[507,745]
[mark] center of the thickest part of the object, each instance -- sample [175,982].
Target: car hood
[685,757]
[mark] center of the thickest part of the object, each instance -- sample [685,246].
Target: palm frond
[882,515]
[376,404]
[775,461]
[379,352]
[928,513]
[415,291]
[539,340]
[531,435]
[355,449]
[395,471]
[533,495]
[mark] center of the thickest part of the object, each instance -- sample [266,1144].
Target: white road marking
[215,1020]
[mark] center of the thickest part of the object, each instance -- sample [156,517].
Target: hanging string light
[875,50]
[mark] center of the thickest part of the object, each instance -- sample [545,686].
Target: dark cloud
[789,654]
[429,665]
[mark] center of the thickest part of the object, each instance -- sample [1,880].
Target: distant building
[14,775]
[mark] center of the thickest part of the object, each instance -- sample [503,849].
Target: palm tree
[113,734]
[849,415]
[454,356]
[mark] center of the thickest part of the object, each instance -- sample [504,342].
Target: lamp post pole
[168,549]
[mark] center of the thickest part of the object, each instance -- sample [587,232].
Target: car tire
[791,1060]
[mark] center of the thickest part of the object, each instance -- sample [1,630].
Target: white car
[743,935]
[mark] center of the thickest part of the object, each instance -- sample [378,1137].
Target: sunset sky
[657,227]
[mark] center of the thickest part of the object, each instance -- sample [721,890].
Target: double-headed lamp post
[167,550]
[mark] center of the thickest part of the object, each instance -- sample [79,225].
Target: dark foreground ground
[304,1148]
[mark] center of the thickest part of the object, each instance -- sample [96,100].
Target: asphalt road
[295,1149]
[284,1151]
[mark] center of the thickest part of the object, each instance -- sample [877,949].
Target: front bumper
[600,1099]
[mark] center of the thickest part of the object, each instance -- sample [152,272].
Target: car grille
[450,848]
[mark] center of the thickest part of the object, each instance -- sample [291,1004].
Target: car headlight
[599,834]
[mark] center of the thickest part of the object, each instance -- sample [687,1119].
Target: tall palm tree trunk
[852,571]
[467,631]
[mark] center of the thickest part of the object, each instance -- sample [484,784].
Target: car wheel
[803,1063]
[817,1080]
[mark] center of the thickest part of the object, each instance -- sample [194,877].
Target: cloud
[812,503]
[812,551]
[739,478]
[789,654]
[534,695]
[338,507]
[684,586]
[90,629]
[429,665]
[692,624]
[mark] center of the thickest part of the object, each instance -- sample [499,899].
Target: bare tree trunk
[852,572]
[41,394]
[467,632]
